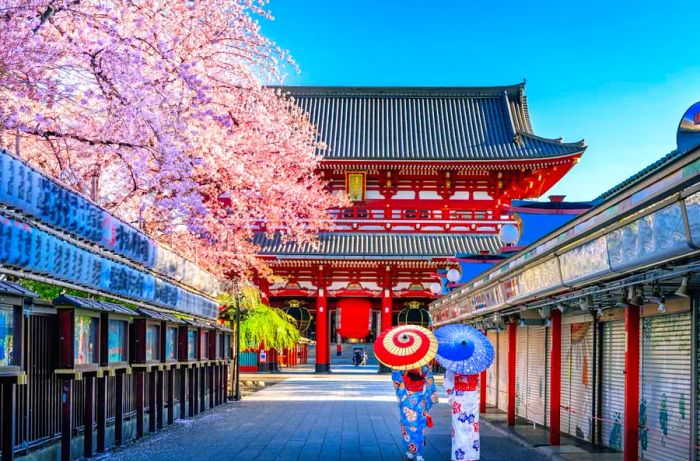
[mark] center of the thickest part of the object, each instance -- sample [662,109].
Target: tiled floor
[330,417]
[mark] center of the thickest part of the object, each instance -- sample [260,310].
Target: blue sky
[617,74]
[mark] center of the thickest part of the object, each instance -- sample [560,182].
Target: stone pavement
[311,417]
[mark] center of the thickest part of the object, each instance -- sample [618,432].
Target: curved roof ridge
[557,141]
[426,91]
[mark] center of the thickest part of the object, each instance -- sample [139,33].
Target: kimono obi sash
[466,382]
[414,382]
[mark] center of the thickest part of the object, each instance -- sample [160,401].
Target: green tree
[261,323]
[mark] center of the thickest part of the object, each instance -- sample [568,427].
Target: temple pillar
[322,333]
[387,304]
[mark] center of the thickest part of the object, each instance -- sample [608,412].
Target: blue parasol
[463,349]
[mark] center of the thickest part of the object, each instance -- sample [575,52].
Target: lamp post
[237,381]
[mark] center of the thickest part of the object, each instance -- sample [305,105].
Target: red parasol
[405,347]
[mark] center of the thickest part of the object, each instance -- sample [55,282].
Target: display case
[92,335]
[149,338]
[189,342]
[13,299]
[169,331]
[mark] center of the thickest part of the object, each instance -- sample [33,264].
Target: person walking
[415,390]
[463,398]
[464,352]
[408,349]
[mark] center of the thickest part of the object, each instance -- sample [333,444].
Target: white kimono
[465,415]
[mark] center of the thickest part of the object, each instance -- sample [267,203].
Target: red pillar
[387,304]
[512,329]
[631,438]
[555,379]
[322,334]
[482,392]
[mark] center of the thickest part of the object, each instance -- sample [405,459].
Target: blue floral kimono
[414,407]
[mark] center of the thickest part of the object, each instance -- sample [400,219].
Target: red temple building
[431,173]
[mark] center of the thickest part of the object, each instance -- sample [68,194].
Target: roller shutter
[665,388]
[521,372]
[492,372]
[612,375]
[536,378]
[503,370]
[565,378]
[580,363]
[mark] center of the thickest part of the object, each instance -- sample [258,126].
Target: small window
[205,345]
[152,343]
[192,344]
[85,339]
[8,355]
[227,346]
[171,343]
[117,341]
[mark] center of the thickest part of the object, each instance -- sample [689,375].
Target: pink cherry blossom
[159,111]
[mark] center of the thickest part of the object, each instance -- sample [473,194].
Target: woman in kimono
[463,397]
[415,390]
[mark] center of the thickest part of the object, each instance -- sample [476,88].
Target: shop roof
[91,304]
[15,289]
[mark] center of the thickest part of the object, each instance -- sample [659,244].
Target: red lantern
[353,317]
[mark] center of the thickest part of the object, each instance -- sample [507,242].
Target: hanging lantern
[353,317]
[509,234]
[413,314]
[300,313]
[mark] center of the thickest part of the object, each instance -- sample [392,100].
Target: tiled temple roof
[370,246]
[426,124]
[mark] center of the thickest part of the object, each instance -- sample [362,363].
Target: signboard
[263,357]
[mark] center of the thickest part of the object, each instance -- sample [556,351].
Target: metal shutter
[521,372]
[613,384]
[666,387]
[580,355]
[565,378]
[503,370]
[492,372]
[536,379]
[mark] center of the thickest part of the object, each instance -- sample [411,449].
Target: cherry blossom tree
[159,111]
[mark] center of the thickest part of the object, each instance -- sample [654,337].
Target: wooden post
[482,392]
[191,393]
[119,409]
[9,415]
[202,389]
[101,413]
[512,332]
[139,389]
[66,418]
[159,399]
[183,393]
[88,418]
[211,386]
[152,401]
[171,396]
[555,379]
[631,438]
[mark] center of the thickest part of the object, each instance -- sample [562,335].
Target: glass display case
[94,334]
[13,298]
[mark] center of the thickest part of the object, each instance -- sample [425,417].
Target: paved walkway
[329,417]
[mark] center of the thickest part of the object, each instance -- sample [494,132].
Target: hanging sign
[29,192]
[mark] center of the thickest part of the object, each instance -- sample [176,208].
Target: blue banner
[31,193]
[33,250]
